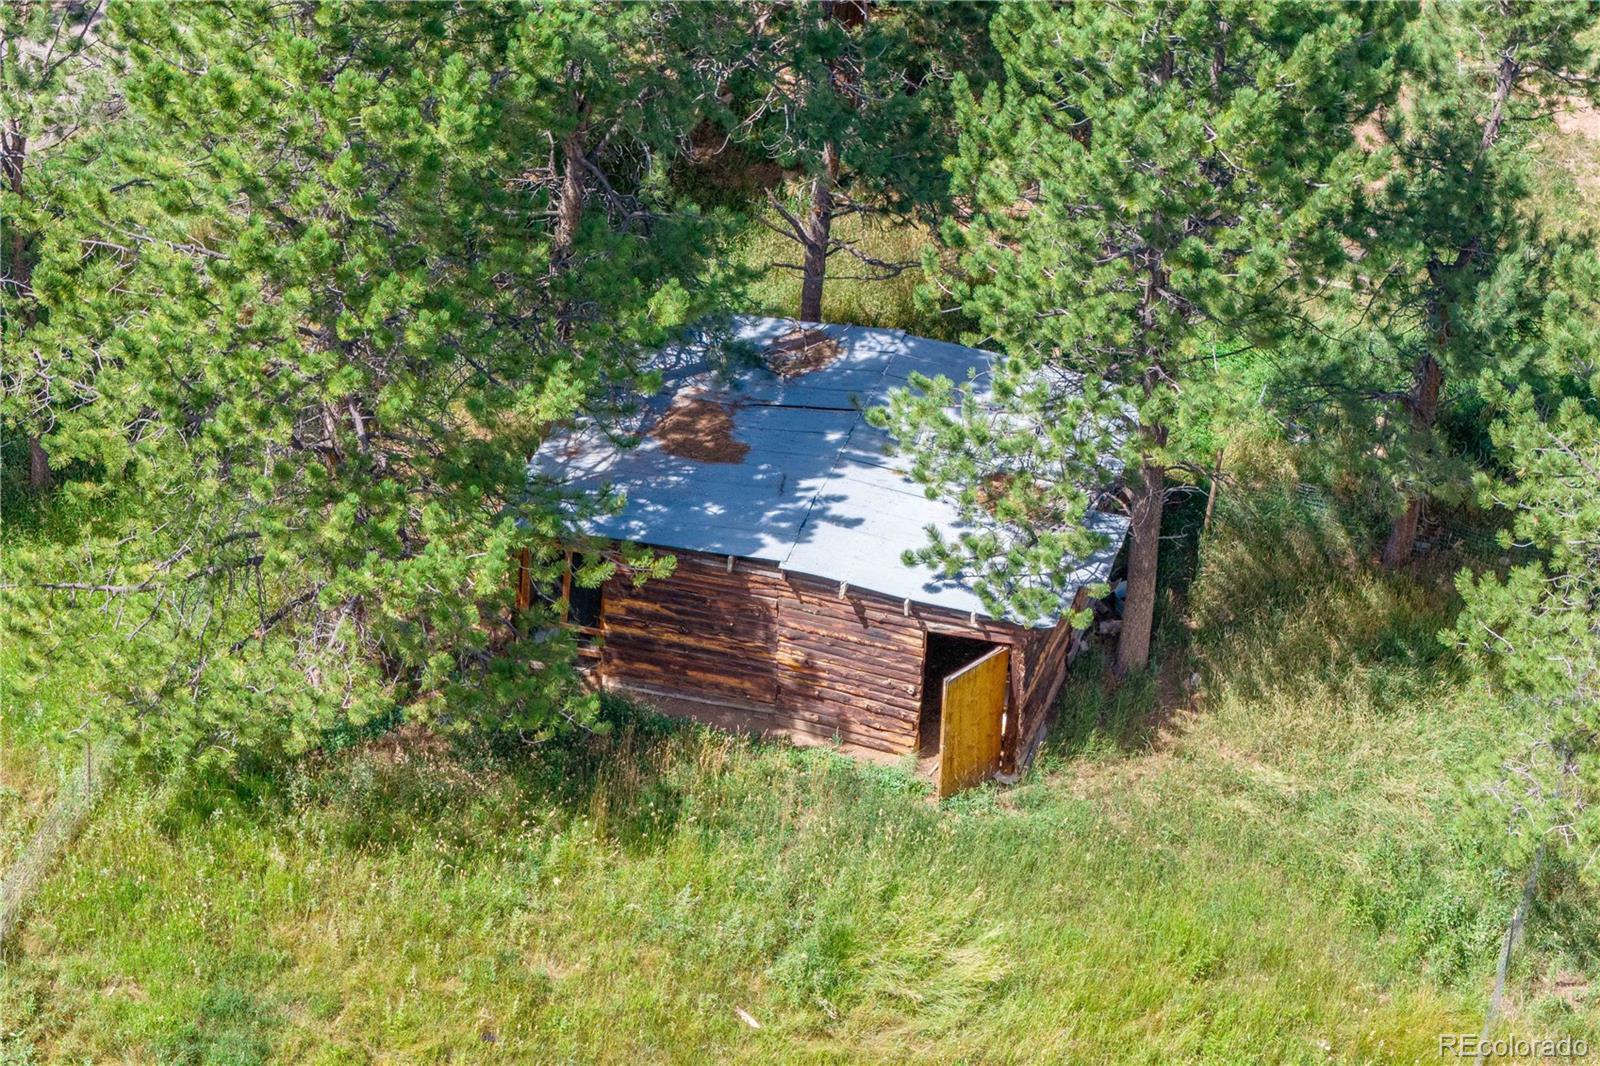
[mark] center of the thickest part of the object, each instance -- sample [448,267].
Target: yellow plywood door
[969,721]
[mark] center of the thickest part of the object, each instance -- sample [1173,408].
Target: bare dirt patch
[700,429]
[1577,117]
[801,351]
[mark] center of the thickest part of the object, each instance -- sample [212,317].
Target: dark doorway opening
[942,656]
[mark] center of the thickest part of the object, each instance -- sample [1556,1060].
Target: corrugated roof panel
[818,490]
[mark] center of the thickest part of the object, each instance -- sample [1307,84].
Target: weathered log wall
[1046,656]
[785,652]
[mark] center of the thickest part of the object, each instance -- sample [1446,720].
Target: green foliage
[1140,211]
[887,304]
[851,101]
[292,291]
[356,319]
[1271,859]
[1282,871]
[65,271]
[1536,626]
[1455,263]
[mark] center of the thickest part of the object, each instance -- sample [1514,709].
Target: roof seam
[840,456]
[805,520]
[838,459]
[798,406]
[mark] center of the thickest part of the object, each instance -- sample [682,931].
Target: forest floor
[1265,861]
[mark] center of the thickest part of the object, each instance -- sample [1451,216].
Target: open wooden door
[969,723]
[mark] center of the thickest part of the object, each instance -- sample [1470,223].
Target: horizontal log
[707,577]
[896,663]
[870,714]
[814,590]
[817,679]
[767,718]
[889,616]
[890,675]
[786,650]
[717,576]
[821,717]
[840,692]
[693,604]
[735,662]
[888,732]
[848,677]
[755,677]
[909,642]
[695,596]
[684,677]
[751,646]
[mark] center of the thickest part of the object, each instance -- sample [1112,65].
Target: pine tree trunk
[1428,378]
[1139,607]
[39,475]
[569,202]
[1402,540]
[13,158]
[819,227]
[1506,72]
[1424,405]
[569,214]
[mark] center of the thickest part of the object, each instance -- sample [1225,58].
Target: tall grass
[624,899]
[851,295]
[1251,853]
[42,689]
[1248,855]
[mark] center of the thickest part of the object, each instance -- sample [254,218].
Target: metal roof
[818,492]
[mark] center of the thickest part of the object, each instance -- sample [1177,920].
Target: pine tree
[1452,264]
[365,301]
[618,91]
[55,110]
[1149,187]
[850,96]
[1537,627]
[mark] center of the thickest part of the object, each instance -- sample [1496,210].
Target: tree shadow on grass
[629,782]
[635,782]
[1276,595]
[1099,713]
[1564,931]
[1287,596]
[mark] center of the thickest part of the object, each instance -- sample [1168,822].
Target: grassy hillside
[27,784]
[1566,170]
[1256,853]
[1249,855]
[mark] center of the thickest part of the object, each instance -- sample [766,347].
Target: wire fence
[54,832]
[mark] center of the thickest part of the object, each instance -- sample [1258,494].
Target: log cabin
[791,610]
